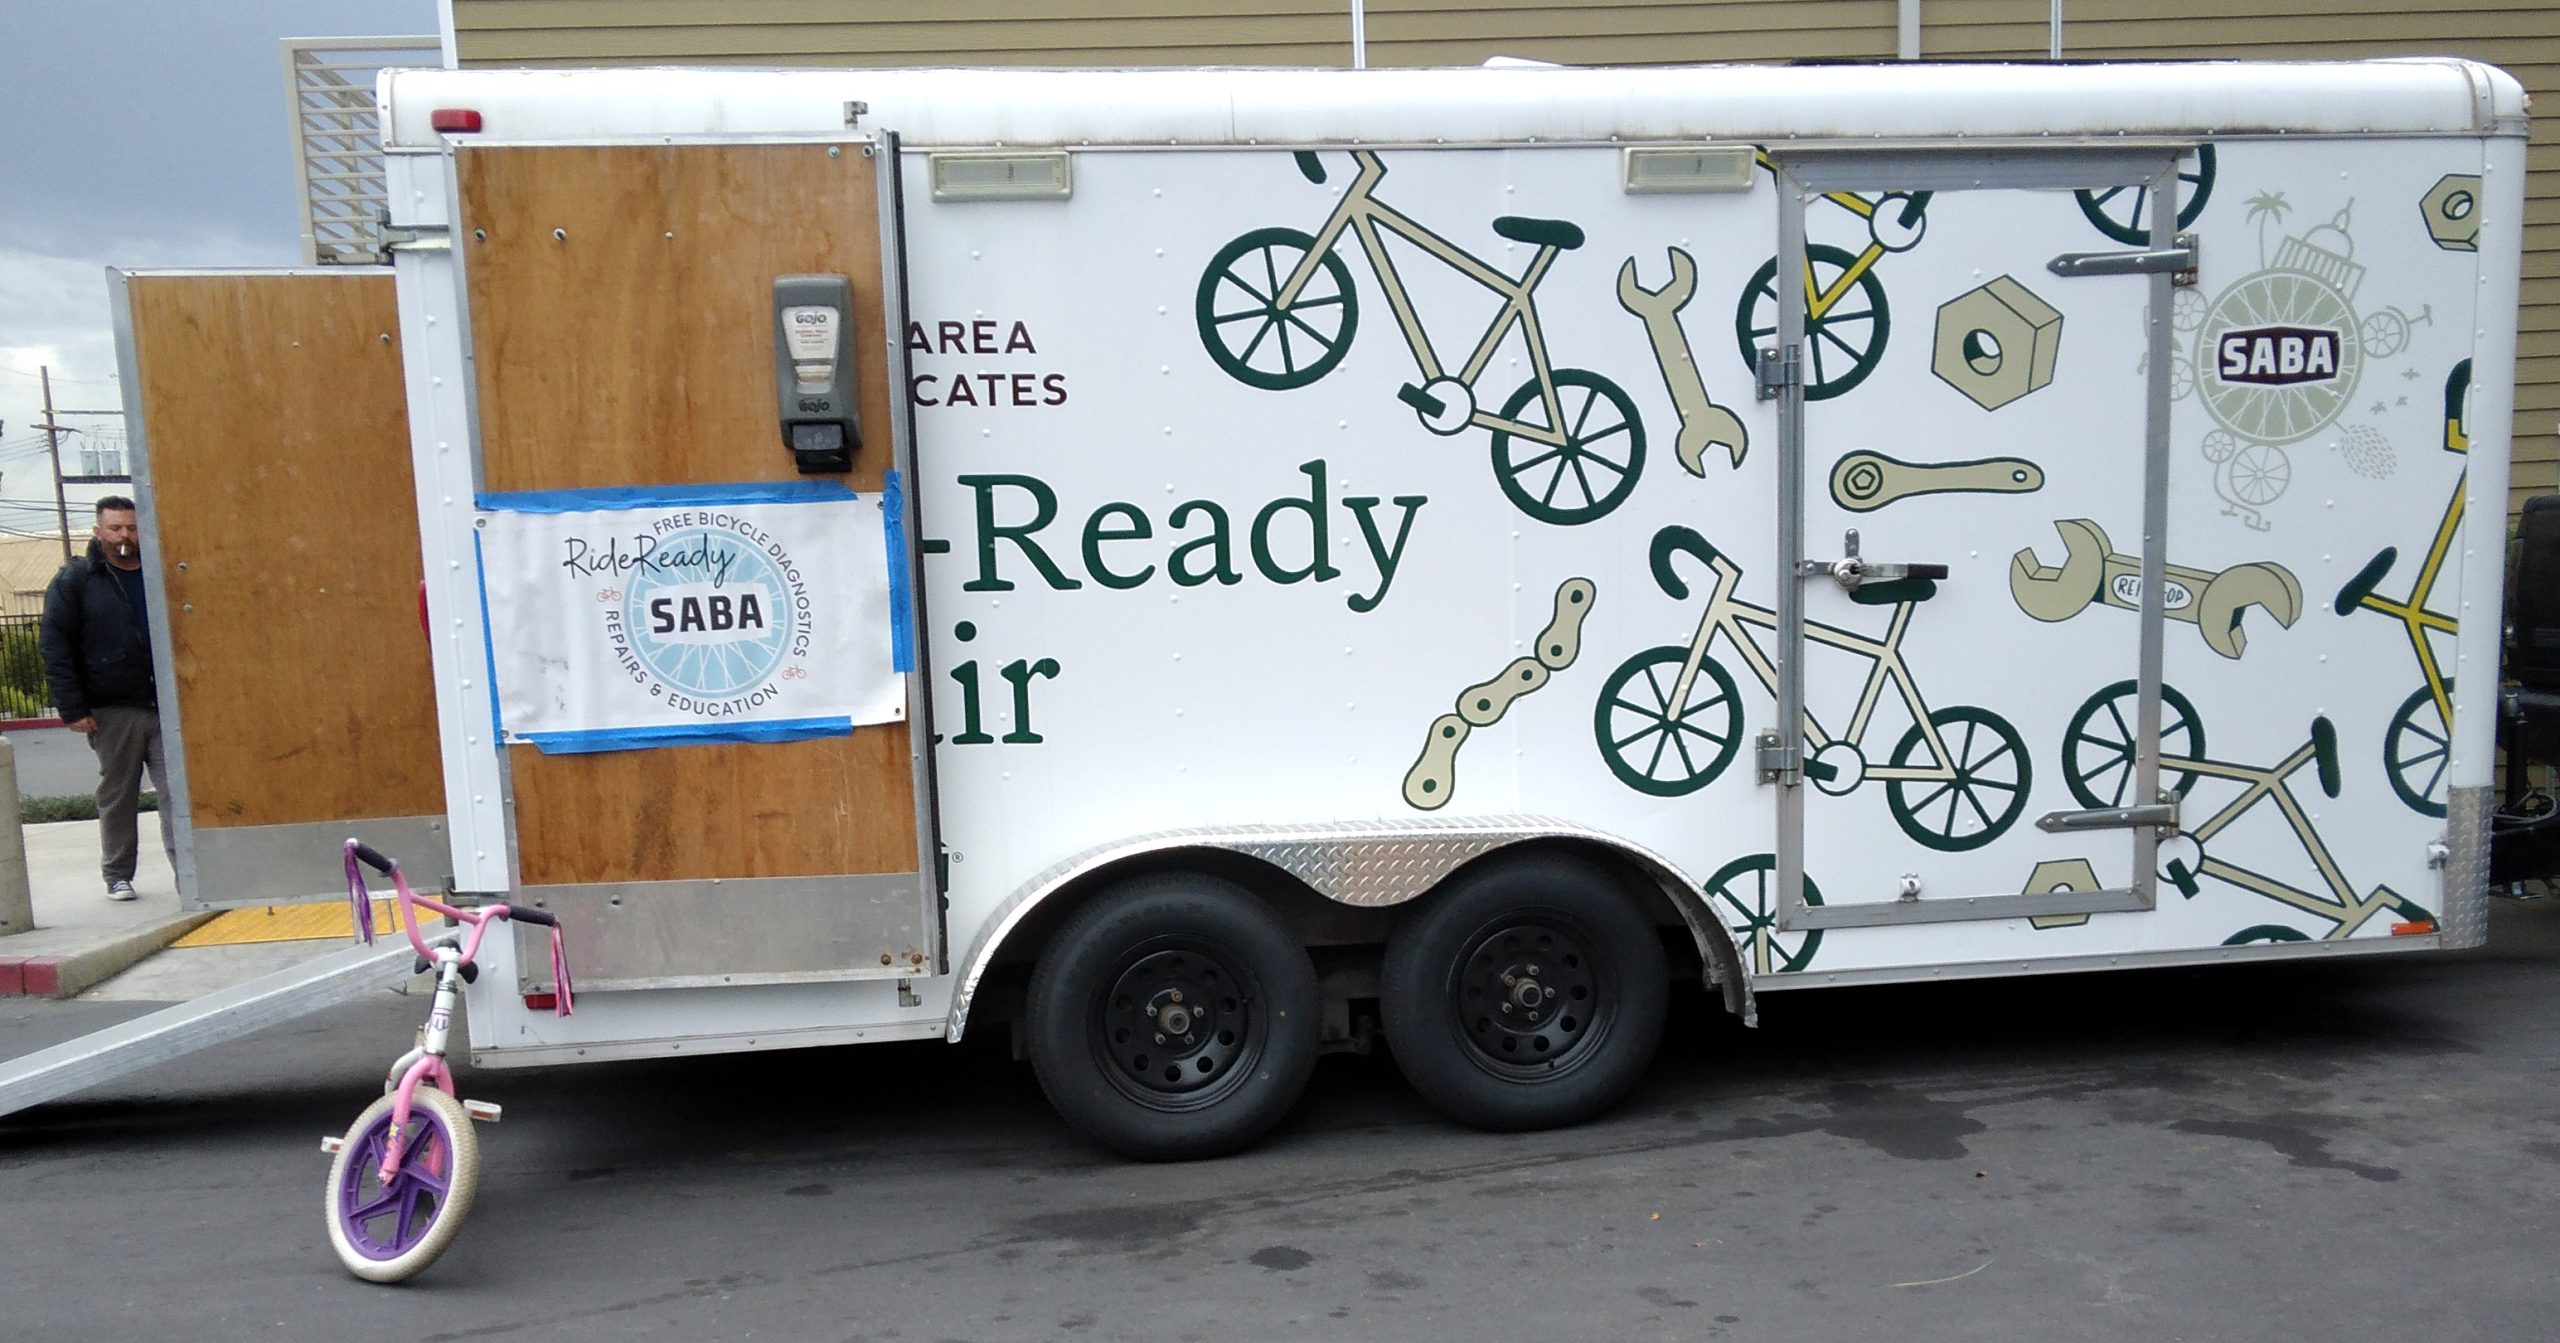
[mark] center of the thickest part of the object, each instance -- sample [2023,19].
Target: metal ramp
[171,1032]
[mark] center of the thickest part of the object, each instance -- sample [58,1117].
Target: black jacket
[96,649]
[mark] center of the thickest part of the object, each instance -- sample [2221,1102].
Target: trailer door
[629,366]
[1980,472]
[270,453]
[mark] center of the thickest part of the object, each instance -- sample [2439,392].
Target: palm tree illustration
[2267,207]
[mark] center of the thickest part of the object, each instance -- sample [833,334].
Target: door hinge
[2179,260]
[1779,369]
[1779,761]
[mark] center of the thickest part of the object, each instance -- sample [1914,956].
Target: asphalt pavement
[53,762]
[2361,1148]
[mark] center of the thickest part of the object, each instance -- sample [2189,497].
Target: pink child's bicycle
[403,1176]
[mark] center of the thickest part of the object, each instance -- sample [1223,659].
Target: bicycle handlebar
[1678,540]
[371,857]
[543,917]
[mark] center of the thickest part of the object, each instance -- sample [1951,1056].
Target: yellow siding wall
[1158,32]
[2519,35]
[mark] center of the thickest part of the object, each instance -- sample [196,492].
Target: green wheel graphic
[1986,794]
[2097,748]
[1257,340]
[1745,890]
[2122,213]
[2266,932]
[1592,471]
[1656,747]
[1843,345]
[2416,749]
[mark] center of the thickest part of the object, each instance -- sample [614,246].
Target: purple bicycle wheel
[386,1230]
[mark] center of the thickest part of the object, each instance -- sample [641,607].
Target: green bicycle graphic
[2098,752]
[1745,889]
[1669,719]
[1277,311]
[2122,213]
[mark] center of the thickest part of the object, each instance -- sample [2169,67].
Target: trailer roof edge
[2402,96]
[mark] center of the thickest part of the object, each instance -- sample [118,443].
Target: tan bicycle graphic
[1277,310]
[1669,720]
[2098,763]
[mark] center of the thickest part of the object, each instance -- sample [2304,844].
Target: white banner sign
[626,619]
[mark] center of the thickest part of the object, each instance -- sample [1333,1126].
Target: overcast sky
[136,133]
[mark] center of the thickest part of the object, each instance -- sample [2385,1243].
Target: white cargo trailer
[1197,561]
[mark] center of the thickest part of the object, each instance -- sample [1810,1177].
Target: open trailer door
[270,444]
[715,776]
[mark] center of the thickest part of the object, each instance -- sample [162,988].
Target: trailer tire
[1526,994]
[1183,951]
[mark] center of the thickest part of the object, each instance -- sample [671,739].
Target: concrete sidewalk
[81,938]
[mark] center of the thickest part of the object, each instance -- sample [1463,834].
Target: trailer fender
[1372,865]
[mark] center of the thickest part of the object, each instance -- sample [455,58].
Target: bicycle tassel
[359,898]
[560,973]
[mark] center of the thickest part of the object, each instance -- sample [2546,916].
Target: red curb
[27,724]
[42,976]
[13,980]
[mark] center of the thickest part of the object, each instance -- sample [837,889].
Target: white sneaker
[120,890]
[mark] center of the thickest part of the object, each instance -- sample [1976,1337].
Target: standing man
[97,656]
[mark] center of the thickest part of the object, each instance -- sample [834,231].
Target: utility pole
[53,445]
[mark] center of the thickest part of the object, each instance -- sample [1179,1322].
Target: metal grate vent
[337,139]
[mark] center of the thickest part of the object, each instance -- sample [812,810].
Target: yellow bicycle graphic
[1846,318]
[1276,310]
[2417,748]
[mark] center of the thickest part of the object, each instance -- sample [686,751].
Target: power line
[38,376]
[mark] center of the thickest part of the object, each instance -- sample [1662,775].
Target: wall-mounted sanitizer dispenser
[813,370]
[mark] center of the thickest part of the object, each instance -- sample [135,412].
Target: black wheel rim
[1530,997]
[1181,1026]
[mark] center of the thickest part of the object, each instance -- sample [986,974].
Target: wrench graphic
[2092,572]
[1703,423]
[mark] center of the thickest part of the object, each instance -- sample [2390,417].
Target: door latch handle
[1850,571]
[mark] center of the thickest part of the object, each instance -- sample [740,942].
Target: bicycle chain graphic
[1432,781]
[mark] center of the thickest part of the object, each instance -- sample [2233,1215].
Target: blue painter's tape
[665,496]
[488,640]
[893,507]
[690,734]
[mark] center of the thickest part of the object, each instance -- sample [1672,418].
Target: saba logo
[2277,356]
[708,614]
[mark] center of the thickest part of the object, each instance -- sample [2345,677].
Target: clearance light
[1662,171]
[992,177]
[541,1002]
[2414,928]
[454,120]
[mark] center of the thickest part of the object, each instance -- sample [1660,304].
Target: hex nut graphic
[2452,208]
[2061,874]
[1997,343]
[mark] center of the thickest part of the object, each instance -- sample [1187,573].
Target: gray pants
[127,742]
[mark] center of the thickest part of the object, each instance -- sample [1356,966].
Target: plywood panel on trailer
[622,329]
[278,437]
[621,306]
[789,809]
